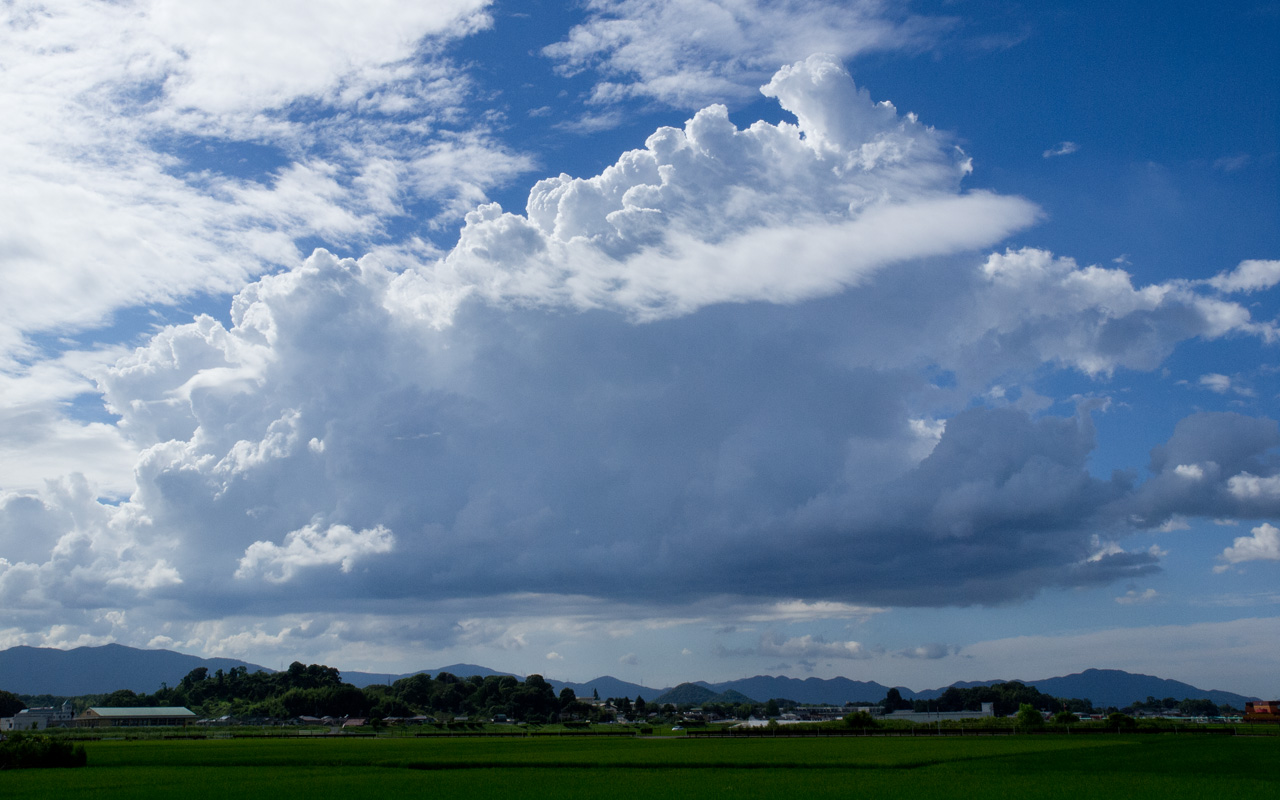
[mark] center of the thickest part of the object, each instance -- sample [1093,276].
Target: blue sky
[910,342]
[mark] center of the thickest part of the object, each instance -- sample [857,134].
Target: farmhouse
[34,719]
[132,717]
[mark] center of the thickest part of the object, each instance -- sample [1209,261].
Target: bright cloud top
[311,546]
[713,214]
[1262,545]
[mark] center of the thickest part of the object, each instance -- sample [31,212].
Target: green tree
[567,697]
[771,709]
[123,698]
[10,704]
[1029,719]
[1198,708]
[415,690]
[893,701]
[1118,720]
[1065,718]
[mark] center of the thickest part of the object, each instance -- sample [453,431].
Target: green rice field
[1047,766]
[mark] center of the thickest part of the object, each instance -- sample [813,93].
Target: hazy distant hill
[363,679]
[691,693]
[833,691]
[1113,687]
[98,670]
[698,694]
[607,686]
[733,696]
[1105,687]
[95,670]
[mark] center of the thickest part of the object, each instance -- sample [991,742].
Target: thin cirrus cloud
[1061,149]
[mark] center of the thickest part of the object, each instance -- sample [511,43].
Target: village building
[35,719]
[134,717]
[988,710]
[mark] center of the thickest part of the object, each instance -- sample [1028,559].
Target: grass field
[1165,766]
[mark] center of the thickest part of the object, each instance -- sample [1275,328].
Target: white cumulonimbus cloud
[705,372]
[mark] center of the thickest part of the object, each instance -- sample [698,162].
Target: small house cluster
[34,719]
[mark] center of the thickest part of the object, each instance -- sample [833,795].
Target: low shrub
[861,719]
[28,751]
[1118,720]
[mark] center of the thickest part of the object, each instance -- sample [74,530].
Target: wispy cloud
[1232,163]
[1134,597]
[929,651]
[340,118]
[692,53]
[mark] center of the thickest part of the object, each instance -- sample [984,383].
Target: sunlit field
[1033,766]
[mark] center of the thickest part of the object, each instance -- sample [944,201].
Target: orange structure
[1262,711]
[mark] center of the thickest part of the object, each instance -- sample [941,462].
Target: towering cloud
[738,362]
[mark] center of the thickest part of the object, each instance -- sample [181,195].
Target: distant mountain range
[1113,687]
[98,670]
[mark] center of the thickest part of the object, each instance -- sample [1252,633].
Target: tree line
[1006,698]
[318,691]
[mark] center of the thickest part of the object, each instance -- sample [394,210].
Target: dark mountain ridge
[99,670]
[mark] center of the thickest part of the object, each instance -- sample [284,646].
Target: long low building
[134,717]
[988,710]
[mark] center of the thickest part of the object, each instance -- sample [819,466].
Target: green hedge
[27,751]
